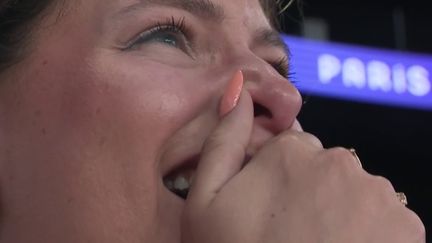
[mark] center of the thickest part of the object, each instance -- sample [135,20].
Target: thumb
[223,152]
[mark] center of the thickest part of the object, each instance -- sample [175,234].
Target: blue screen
[361,74]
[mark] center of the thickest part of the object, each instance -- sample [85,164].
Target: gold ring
[402,198]
[353,152]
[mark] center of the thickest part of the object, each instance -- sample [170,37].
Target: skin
[88,130]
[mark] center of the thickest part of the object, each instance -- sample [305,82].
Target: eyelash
[171,25]
[178,27]
[283,68]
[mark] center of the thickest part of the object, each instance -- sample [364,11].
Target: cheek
[157,98]
[101,130]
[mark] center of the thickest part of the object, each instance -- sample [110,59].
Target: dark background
[391,141]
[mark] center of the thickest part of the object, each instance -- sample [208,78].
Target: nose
[277,101]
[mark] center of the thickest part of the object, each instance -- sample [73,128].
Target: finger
[296,126]
[291,148]
[223,152]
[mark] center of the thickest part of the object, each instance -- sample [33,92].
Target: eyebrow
[206,9]
[270,37]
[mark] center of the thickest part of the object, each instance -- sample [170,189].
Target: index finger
[223,153]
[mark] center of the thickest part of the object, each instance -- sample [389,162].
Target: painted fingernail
[232,94]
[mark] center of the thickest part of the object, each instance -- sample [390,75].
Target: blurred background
[391,140]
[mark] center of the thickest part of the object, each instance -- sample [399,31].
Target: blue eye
[163,34]
[171,33]
[167,38]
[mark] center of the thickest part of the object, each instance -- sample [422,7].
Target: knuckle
[383,183]
[312,139]
[287,137]
[292,137]
[420,229]
[381,190]
[339,153]
[339,157]
[415,225]
[283,141]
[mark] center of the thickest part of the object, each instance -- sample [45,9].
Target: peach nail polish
[232,94]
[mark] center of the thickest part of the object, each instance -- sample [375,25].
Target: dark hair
[18,16]
[16,19]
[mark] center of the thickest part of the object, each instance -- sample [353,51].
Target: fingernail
[232,94]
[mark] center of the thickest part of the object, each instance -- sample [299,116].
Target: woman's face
[117,96]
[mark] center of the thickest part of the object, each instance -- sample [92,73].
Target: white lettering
[399,79]
[379,76]
[354,73]
[418,81]
[329,67]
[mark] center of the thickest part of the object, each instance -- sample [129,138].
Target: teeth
[169,184]
[181,183]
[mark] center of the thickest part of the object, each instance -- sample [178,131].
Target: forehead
[216,10]
[194,3]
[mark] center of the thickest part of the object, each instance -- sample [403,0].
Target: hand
[292,190]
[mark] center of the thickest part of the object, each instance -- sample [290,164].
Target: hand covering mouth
[180,179]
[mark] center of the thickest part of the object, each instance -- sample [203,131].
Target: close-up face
[102,123]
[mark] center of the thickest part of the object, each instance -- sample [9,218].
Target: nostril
[260,110]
